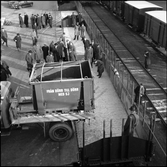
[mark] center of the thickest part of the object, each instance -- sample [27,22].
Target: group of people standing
[93,51]
[37,21]
[79,26]
[62,50]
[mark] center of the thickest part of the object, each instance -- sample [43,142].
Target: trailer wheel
[60,132]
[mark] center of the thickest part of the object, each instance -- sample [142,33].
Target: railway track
[129,48]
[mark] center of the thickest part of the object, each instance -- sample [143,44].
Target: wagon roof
[142,4]
[160,15]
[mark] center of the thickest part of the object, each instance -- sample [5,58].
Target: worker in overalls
[131,122]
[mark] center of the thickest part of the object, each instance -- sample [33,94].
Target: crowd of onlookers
[61,50]
[37,21]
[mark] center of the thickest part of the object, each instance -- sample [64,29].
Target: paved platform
[107,103]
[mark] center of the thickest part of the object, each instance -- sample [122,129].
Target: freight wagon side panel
[162,35]
[88,95]
[127,13]
[147,25]
[142,17]
[136,19]
[155,29]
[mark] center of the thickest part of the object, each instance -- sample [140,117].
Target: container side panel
[61,95]
[88,94]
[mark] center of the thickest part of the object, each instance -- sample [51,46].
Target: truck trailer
[62,93]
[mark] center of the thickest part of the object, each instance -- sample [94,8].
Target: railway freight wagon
[116,7]
[62,93]
[155,27]
[134,13]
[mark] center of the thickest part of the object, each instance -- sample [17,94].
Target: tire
[60,132]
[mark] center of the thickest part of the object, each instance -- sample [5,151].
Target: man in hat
[3,74]
[73,17]
[100,67]
[50,58]
[5,66]
[139,91]
[18,39]
[26,19]
[147,61]
[50,19]
[39,22]
[55,53]
[46,18]
[34,37]
[89,54]
[43,20]
[72,51]
[4,36]
[32,21]
[45,50]
[76,31]
[97,53]
[131,122]
[38,54]
[29,59]
[21,20]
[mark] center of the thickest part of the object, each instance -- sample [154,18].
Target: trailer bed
[24,113]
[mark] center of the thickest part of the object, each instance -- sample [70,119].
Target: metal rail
[146,72]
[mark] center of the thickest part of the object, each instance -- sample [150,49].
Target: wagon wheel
[60,132]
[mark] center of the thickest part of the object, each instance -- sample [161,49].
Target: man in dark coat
[36,28]
[32,21]
[46,18]
[50,19]
[51,46]
[139,91]
[147,60]
[129,130]
[73,18]
[55,53]
[20,20]
[39,22]
[26,19]
[97,53]
[43,20]
[79,17]
[5,66]
[86,43]
[71,51]
[35,18]
[3,74]
[100,67]
[29,59]
[93,47]
[45,50]
[4,36]
[18,39]
[60,49]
